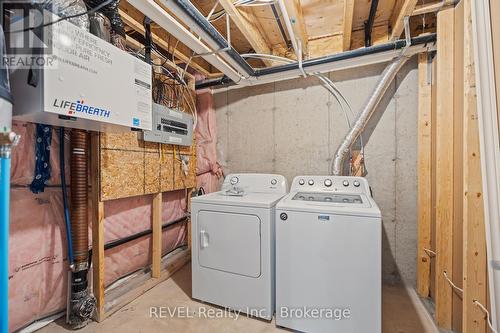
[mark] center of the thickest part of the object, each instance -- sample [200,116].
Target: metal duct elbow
[365,115]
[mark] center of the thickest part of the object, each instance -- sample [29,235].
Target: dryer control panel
[340,184]
[256,183]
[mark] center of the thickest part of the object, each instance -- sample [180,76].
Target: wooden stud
[401,9]
[474,240]
[348,16]
[157,235]
[248,25]
[294,10]
[424,174]
[444,166]
[458,162]
[97,228]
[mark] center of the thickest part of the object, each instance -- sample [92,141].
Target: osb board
[122,173]
[166,169]
[130,167]
[180,179]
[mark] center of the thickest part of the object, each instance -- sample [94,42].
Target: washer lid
[260,200]
[330,203]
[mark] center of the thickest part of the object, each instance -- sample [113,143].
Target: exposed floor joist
[348,17]
[296,16]
[249,27]
[403,8]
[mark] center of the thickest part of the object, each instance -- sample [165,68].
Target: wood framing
[294,10]
[97,228]
[444,167]
[458,162]
[401,9]
[474,237]
[424,173]
[249,27]
[427,8]
[156,221]
[348,17]
[134,24]
[169,266]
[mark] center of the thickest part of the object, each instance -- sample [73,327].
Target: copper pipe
[79,197]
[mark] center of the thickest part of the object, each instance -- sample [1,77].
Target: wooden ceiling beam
[348,17]
[131,19]
[401,9]
[248,24]
[294,11]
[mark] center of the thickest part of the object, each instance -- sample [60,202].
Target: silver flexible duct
[365,115]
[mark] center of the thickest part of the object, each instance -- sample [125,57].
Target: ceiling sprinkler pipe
[158,15]
[366,114]
[199,24]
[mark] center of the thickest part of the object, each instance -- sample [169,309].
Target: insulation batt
[38,255]
[208,170]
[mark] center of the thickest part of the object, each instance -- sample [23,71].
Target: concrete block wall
[294,127]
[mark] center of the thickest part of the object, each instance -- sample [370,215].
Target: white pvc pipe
[289,27]
[170,24]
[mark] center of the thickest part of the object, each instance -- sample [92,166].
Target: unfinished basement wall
[294,127]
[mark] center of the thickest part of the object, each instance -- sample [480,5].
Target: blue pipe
[65,196]
[4,242]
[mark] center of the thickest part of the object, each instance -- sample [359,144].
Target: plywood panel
[122,173]
[151,172]
[166,170]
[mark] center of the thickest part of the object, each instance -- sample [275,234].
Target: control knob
[356,183]
[302,181]
[311,182]
[345,183]
[234,180]
[328,182]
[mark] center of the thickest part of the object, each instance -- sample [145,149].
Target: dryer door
[229,242]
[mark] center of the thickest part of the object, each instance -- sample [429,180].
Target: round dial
[356,183]
[328,182]
[274,182]
[345,183]
[302,181]
[234,180]
[311,182]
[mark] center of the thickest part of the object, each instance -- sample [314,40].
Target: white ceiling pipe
[377,58]
[178,12]
[170,24]
[289,27]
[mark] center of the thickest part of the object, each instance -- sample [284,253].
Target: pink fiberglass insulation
[23,155]
[125,217]
[208,170]
[37,257]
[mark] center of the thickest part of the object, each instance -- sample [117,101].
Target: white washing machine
[233,243]
[328,256]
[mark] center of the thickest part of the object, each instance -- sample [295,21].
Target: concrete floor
[402,313]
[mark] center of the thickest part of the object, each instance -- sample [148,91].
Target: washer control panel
[341,184]
[254,182]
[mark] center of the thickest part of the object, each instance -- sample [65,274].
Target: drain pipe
[365,115]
